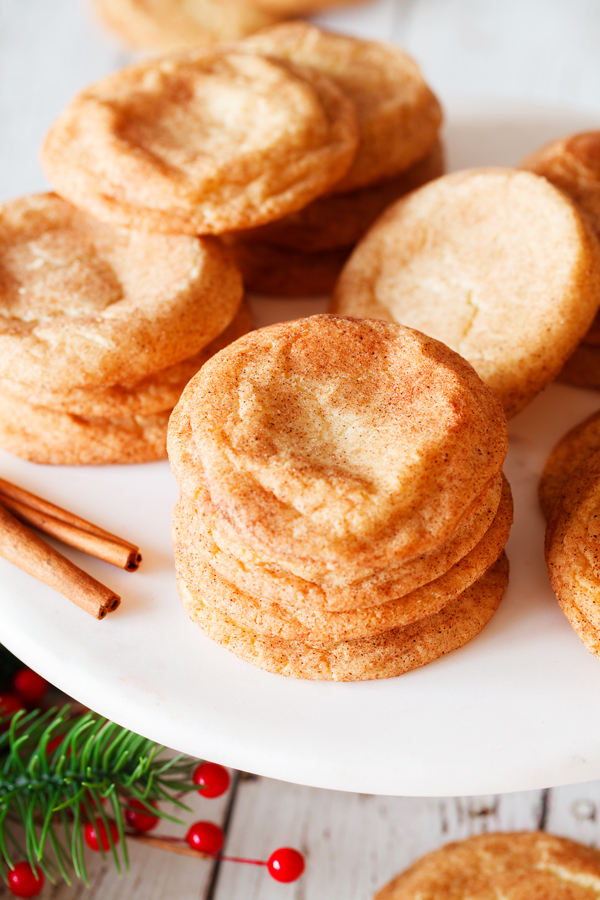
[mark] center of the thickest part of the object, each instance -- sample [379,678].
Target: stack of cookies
[399,149]
[342,510]
[101,329]
[572,164]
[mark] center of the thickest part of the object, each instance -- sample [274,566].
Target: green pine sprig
[47,796]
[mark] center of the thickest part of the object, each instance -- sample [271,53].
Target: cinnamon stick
[29,552]
[47,517]
[174,846]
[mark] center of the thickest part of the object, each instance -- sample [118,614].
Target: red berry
[205,837]
[22,882]
[140,817]
[212,778]
[30,686]
[95,834]
[9,705]
[286,864]
[54,743]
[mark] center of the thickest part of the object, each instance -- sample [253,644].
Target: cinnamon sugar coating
[515,866]
[398,115]
[386,655]
[336,444]
[497,263]
[322,630]
[201,142]
[83,304]
[155,393]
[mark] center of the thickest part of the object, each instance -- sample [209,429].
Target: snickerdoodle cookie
[202,142]
[398,115]
[573,550]
[300,622]
[384,656]
[514,866]
[497,263]
[175,24]
[340,220]
[84,304]
[569,453]
[331,443]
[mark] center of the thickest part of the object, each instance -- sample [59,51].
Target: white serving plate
[515,709]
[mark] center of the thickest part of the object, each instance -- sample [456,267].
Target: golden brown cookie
[155,393]
[56,438]
[201,142]
[567,455]
[340,220]
[83,304]
[398,116]
[176,24]
[280,272]
[333,443]
[261,578]
[325,629]
[385,656]
[573,165]
[497,263]
[573,545]
[514,866]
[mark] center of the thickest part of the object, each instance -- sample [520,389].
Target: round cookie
[155,393]
[567,455]
[340,220]
[385,656]
[176,24]
[280,272]
[573,543]
[497,263]
[55,438]
[201,142]
[514,866]
[83,304]
[335,443]
[572,164]
[342,590]
[398,116]
[325,629]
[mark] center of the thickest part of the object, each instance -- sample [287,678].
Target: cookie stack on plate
[342,510]
[100,331]
[399,119]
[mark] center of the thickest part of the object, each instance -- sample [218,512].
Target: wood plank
[574,812]
[353,843]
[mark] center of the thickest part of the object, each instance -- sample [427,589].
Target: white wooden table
[540,51]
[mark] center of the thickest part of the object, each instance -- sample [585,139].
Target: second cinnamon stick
[29,552]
